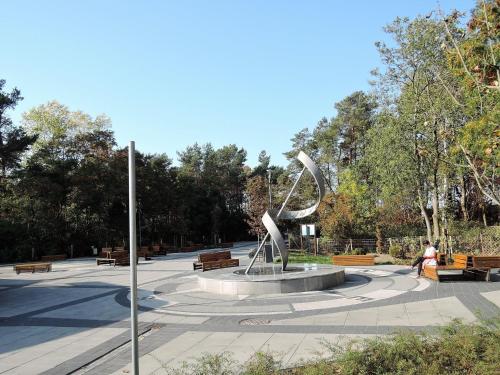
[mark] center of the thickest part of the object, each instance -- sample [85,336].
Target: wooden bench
[33,267]
[482,265]
[158,250]
[471,267]
[477,267]
[461,261]
[486,261]
[120,258]
[105,252]
[435,272]
[145,253]
[52,258]
[441,259]
[219,259]
[353,260]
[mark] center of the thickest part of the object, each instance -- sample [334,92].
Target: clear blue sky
[172,73]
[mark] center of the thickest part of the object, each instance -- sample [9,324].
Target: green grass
[296,257]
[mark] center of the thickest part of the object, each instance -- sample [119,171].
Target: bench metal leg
[478,275]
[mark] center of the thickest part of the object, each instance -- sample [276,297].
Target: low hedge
[455,349]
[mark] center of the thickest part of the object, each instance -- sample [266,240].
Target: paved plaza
[76,318]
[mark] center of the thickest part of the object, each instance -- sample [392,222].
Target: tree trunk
[446,195]
[421,203]
[380,239]
[463,201]
[488,188]
[444,211]
[435,214]
[425,215]
[483,214]
[435,186]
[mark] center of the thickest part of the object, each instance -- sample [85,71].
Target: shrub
[411,245]
[359,251]
[214,364]
[455,349]
[471,238]
[318,367]
[262,364]
[396,250]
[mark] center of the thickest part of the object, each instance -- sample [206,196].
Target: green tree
[425,115]
[257,204]
[354,118]
[55,124]
[67,184]
[473,54]
[13,140]
[349,211]
[212,182]
[263,166]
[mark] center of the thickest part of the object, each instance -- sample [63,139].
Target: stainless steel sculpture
[269,219]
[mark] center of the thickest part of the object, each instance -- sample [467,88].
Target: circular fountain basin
[270,279]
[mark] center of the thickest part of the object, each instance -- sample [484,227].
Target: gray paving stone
[79,297]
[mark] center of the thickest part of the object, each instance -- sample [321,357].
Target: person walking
[428,259]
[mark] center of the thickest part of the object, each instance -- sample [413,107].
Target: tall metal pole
[270,207]
[133,256]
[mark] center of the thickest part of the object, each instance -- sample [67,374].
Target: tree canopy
[416,155]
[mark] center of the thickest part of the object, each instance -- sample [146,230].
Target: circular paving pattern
[182,295]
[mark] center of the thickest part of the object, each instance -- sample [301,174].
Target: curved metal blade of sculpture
[270,217]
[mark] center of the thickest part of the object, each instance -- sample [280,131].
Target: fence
[483,244]
[409,245]
[344,245]
[484,241]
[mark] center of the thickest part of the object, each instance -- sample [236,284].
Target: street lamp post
[270,205]
[133,257]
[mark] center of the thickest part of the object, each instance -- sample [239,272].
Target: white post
[133,256]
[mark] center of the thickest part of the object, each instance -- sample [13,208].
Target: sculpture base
[270,279]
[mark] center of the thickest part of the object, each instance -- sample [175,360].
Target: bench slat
[208,257]
[32,267]
[223,263]
[353,260]
[486,261]
[214,260]
[120,257]
[460,260]
[431,272]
